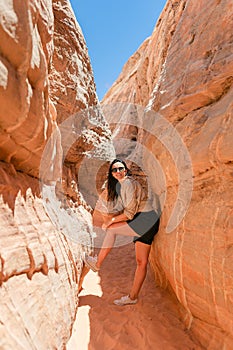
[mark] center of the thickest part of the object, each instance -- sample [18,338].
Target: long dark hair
[113,185]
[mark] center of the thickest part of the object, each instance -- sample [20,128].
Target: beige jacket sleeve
[107,207]
[130,197]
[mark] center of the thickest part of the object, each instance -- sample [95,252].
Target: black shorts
[146,224]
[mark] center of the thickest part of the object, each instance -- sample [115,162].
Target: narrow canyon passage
[152,323]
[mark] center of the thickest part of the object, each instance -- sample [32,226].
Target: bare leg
[106,248]
[109,240]
[142,255]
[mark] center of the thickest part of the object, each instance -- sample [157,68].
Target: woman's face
[118,171]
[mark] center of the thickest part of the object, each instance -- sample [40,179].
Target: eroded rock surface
[45,78]
[182,74]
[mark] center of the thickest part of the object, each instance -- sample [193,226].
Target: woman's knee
[142,254]
[142,262]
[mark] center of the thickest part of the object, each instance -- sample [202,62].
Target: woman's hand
[108,223]
[115,219]
[105,226]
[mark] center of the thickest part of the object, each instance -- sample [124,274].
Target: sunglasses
[121,168]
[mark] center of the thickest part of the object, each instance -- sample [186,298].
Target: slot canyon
[168,113]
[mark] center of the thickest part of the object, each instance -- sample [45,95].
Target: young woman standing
[131,214]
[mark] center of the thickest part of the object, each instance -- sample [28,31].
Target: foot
[90,262]
[125,300]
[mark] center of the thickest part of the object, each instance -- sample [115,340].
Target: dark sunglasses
[121,168]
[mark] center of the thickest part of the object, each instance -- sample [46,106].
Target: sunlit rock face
[182,76]
[45,80]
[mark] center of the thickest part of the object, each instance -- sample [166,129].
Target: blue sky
[113,31]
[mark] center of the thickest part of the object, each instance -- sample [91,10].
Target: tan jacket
[131,200]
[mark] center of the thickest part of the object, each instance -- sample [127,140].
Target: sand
[153,323]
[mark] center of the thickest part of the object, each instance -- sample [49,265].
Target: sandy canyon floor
[152,323]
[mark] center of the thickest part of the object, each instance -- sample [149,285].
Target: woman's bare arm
[112,220]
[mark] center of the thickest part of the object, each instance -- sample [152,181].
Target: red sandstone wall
[183,72]
[45,77]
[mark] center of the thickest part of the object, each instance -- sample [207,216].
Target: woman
[131,215]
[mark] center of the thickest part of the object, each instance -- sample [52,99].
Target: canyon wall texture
[182,76]
[45,78]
